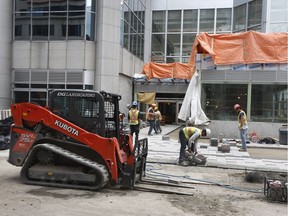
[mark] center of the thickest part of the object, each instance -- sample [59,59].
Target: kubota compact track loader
[75,142]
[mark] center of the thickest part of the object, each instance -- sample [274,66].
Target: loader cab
[96,112]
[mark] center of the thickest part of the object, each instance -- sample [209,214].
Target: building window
[239,18]
[187,43]
[278,16]
[173,44]
[158,21]
[21,96]
[207,20]
[223,20]
[218,100]
[133,27]
[269,103]
[174,21]
[54,20]
[254,14]
[158,47]
[190,20]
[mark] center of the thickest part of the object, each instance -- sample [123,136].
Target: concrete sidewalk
[166,150]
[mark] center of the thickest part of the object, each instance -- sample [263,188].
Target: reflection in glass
[76,5]
[58,5]
[38,97]
[174,21]
[22,6]
[173,44]
[271,104]
[40,26]
[190,19]
[158,44]
[239,18]
[58,25]
[21,96]
[158,21]
[188,40]
[22,26]
[207,20]
[218,100]
[172,59]
[255,12]
[76,25]
[224,18]
[90,26]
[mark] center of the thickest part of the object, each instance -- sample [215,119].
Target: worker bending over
[189,136]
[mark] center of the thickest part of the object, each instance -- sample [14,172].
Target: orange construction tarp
[242,48]
[167,70]
[226,49]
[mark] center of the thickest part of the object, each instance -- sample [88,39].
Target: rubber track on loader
[101,170]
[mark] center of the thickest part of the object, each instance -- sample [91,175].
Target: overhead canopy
[241,48]
[167,70]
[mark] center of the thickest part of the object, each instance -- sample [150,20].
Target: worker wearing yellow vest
[242,125]
[134,121]
[189,136]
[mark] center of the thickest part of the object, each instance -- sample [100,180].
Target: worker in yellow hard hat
[158,118]
[150,117]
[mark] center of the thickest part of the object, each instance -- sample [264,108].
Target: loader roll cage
[96,112]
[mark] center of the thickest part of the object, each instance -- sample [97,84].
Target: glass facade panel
[133,27]
[77,5]
[173,44]
[58,5]
[207,20]
[158,21]
[39,98]
[58,25]
[158,43]
[254,13]
[269,103]
[218,100]
[90,26]
[239,18]
[23,6]
[54,20]
[40,26]
[21,96]
[188,40]
[40,6]
[190,20]
[223,21]
[174,21]
[76,25]
[22,26]
[172,59]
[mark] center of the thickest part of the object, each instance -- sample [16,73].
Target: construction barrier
[5,114]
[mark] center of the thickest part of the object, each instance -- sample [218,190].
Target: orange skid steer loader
[75,142]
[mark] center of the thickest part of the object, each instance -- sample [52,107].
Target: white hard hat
[208,131]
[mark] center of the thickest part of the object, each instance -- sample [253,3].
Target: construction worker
[134,121]
[158,118]
[150,116]
[189,136]
[242,125]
